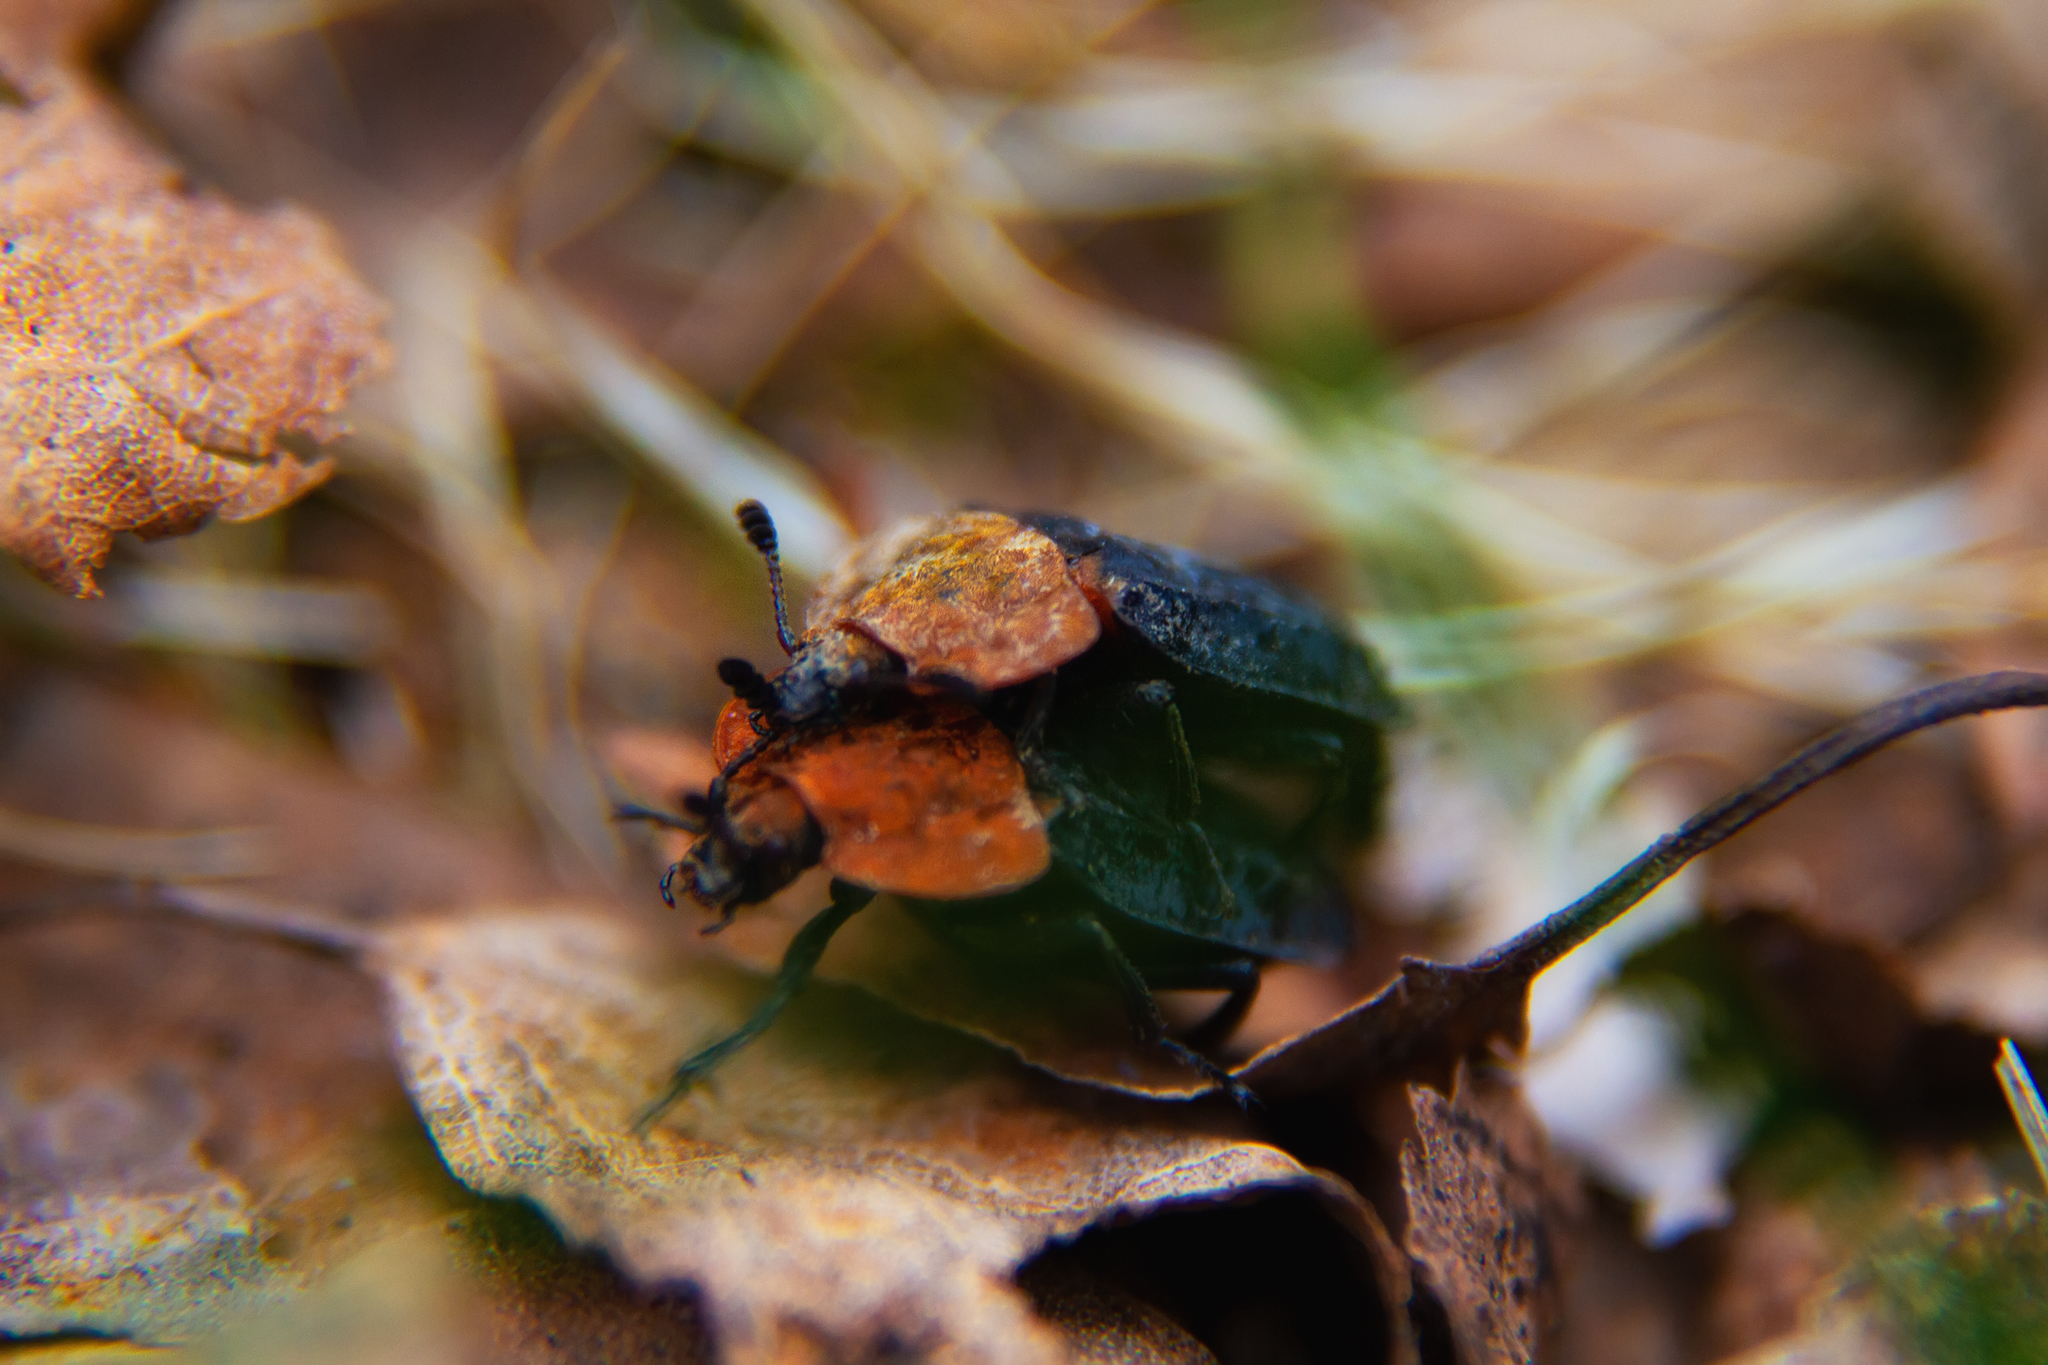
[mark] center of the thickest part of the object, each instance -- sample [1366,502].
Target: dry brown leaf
[156,342]
[1103,1325]
[111,1221]
[853,1178]
[269,1146]
[1484,1215]
[195,1124]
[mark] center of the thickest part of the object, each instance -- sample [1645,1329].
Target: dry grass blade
[154,855]
[458,445]
[710,457]
[2027,1109]
[307,621]
[1173,383]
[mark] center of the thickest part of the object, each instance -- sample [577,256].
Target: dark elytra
[1228,625]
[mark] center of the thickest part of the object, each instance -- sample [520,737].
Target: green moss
[1968,1286]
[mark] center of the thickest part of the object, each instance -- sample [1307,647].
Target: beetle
[1056,744]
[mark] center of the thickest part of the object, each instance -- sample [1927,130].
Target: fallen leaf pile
[158,343]
[1653,386]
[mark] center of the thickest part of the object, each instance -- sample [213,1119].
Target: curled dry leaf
[1485,1215]
[156,343]
[1419,1025]
[1103,1325]
[530,1043]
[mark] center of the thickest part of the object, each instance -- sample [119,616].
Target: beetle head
[758,839]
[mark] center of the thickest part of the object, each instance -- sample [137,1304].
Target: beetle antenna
[760,532]
[748,685]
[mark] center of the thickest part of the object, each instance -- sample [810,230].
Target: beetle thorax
[831,668]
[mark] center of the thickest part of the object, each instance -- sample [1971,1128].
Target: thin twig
[1557,934]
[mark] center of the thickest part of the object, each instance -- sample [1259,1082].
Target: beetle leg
[1239,976]
[799,960]
[1228,899]
[1042,776]
[1149,1024]
[633,810]
[1184,763]
[1158,695]
[739,761]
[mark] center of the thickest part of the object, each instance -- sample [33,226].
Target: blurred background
[1650,383]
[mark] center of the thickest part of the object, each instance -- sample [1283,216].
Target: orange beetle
[913,745]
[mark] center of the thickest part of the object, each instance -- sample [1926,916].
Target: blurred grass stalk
[2028,1111]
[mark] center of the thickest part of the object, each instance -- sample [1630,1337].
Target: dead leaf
[1421,1024]
[1776,1256]
[1840,1340]
[531,1041]
[228,1128]
[74,751]
[1990,967]
[1842,1011]
[1883,855]
[88,1352]
[1486,1219]
[156,342]
[1103,1325]
[110,1220]
[397,1303]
